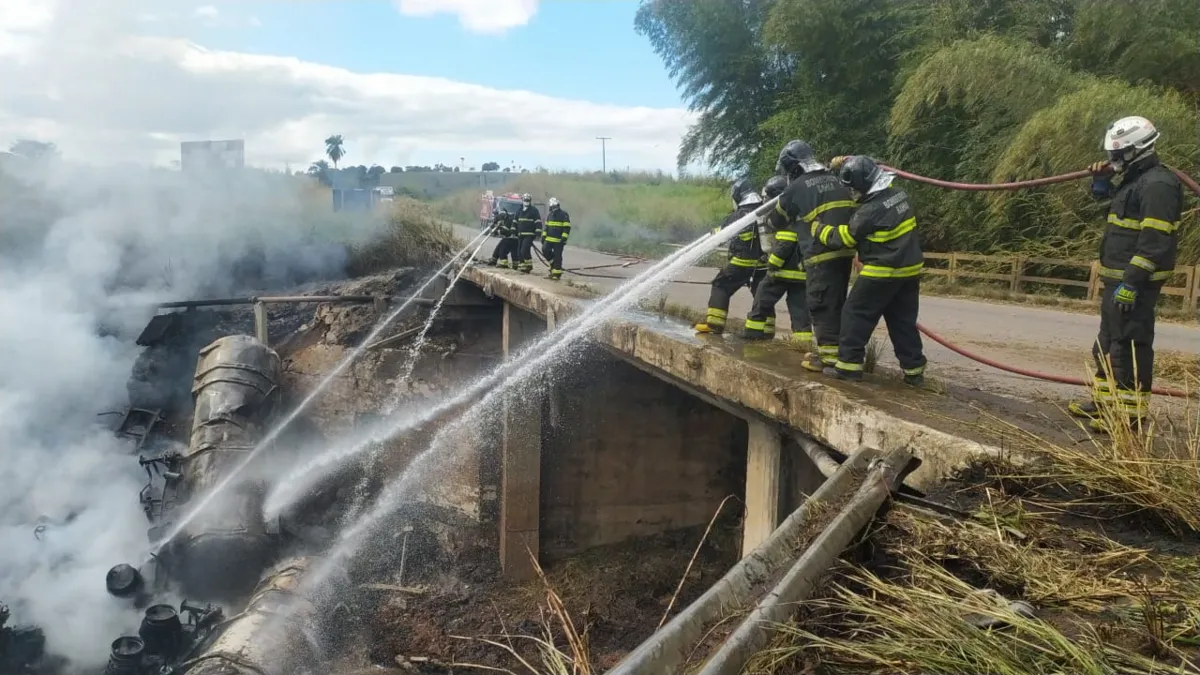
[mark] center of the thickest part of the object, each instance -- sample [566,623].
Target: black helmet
[859,173]
[797,157]
[774,186]
[739,189]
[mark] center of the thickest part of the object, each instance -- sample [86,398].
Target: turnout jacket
[529,221]
[558,226]
[808,201]
[884,230]
[1141,238]
[503,225]
[744,249]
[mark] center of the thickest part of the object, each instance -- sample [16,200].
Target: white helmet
[1128,140]
[527,198]
[552,202]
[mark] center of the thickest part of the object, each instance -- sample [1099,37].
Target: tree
[335,148]
[507,170]
[320,170]
[396,169]
[490,166]
[31,149]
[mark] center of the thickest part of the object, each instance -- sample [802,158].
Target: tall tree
[335,148]
[715,52]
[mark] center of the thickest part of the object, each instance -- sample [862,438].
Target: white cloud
[103,88]
[478,16]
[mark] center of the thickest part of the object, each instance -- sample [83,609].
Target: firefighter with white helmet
[529,227]
[1137,256]
[558,230]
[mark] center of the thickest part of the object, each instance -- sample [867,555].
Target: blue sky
[585,49]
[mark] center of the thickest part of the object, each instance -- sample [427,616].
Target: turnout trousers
[554,256]
[525,252]
[728,281]
[505,249]
[828,282]
[1126,338]
[761,321]
[897,301]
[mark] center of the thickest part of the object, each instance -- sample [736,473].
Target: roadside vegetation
[411,235]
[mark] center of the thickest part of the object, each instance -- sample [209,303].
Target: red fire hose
[1017,185]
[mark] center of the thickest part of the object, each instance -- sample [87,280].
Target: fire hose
[1017,185]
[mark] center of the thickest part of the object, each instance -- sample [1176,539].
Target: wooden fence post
[1018,268]
[953,268]
[1093,280]
[1194,299]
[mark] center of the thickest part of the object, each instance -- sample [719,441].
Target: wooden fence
[1016,267]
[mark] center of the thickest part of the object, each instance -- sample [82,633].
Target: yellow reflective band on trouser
[894,233]
[1100,389]
[1160,225]
[746,236]
[786,235]
[715,317]
[844,233]
[1133,403]
[1127,223]
[850,367]
[775,261]
[553,240]
[802,335]
[919,370]
[770,322]
[883,272]
[831,255]
[1144,263]
[743,262]
[1113,273]
[755,325]
[828,354]
[790,275]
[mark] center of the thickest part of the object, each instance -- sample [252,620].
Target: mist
[83,255]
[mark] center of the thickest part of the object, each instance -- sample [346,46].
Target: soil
[615,595]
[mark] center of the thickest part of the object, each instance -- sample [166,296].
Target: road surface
[1046,340]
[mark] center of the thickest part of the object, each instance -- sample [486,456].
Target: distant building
[197,156]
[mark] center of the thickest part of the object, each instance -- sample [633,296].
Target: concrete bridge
[651,427]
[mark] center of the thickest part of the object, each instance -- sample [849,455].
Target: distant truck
[510,203]
[384,193]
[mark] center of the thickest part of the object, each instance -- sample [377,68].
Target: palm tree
[333,148]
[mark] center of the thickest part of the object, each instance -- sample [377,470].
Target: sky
[525,82]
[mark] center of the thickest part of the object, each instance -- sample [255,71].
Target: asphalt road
[1045,340]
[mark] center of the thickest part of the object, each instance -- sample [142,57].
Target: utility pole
[604,152]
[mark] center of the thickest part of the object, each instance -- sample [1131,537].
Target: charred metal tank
[272,636]
[222,552]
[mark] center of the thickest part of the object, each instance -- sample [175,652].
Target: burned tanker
[220,551]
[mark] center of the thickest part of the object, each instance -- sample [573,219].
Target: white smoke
[82,253]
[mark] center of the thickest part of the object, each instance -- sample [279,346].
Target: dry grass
[414,236]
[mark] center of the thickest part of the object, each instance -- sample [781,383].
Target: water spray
[528,363]
[201,504]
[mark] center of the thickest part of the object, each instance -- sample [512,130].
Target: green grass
[412,236]
[629,214]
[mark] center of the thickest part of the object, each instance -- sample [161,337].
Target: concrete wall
[631,456]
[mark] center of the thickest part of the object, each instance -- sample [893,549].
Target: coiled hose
[1018,185]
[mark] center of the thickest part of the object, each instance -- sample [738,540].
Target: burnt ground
[615,596]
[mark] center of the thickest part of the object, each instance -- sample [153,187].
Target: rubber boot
[914,380]
[813,363]
[756,335]
[708,328]
[845,375]
[1084,409]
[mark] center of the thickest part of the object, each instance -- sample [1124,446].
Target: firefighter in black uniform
[884,231]
[558,229]
[812,193]
[504,227]
[744,255]
[766,241]
[828,271]
[1137,256]
[529,227]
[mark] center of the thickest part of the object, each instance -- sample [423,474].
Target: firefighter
[828,280]
[766,240]
[558,229]
[812,193]
[504,227]
[744,255]
[529,227]
[884,231]
[1137,256]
